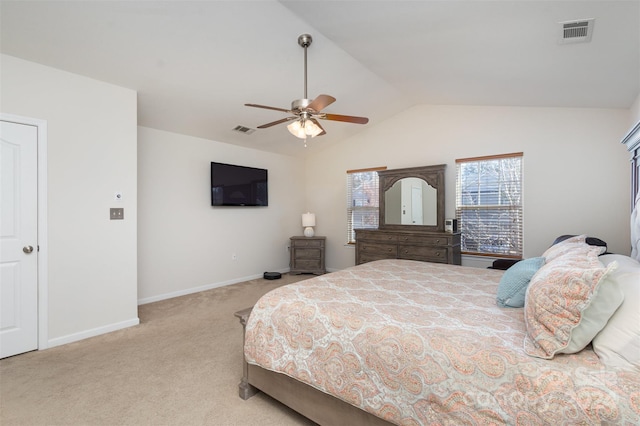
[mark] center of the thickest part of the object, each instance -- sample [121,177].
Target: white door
[18,238]
[416,205]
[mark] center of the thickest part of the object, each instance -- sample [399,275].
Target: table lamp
[308,222]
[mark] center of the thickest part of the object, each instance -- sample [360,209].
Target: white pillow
[618,344]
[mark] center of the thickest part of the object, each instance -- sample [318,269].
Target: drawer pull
[389,250]
[437,241]
[437,254]
[406,252]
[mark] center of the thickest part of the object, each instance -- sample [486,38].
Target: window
[362,200]
[489,205]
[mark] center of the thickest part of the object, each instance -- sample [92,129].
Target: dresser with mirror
[411,219]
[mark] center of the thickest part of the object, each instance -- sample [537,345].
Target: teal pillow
[514,282]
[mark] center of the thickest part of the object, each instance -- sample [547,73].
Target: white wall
[184,244]
[635,113]
[576,174]
[91,154]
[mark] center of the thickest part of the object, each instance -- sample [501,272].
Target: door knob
[27,249]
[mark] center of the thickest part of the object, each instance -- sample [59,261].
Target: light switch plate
[116,213]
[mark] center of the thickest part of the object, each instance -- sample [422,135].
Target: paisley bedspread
[422,343]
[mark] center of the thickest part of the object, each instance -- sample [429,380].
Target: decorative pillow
[618,344]
[557,302]
[514,282]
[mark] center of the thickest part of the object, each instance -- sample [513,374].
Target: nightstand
[307,255]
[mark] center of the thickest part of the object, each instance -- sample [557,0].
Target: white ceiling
[195,64]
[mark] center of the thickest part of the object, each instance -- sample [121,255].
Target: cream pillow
[566,303]
[618,344]
[567,246]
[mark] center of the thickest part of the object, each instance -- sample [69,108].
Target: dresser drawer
[424,253]
[377,236]
[424,240]
[370,257]
[439,247]
[388,251]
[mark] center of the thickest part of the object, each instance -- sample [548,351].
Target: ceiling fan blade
[321,102]
[346,118]
[268,107]
[318,124]
[273,123]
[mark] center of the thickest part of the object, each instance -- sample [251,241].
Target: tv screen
[233,185]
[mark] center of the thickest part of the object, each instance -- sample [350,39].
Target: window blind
[489,205]
[362,200]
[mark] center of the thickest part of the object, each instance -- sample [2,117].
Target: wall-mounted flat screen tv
[233,185]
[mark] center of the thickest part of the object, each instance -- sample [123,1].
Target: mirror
[412,197]
[411,201]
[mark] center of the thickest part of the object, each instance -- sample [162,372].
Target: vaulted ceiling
[195,64]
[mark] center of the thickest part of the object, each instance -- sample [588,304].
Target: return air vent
[578,31]
[243,129]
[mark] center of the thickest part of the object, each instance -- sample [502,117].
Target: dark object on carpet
[272,275]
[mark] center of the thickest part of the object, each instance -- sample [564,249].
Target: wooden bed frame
[315,405]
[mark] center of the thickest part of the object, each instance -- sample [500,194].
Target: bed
[551,340]
[412,342]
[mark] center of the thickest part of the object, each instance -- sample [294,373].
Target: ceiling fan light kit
[306,112]
[304,129]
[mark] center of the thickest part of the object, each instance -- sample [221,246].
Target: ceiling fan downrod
[305,41]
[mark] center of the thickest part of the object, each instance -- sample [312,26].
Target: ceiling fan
[306,112]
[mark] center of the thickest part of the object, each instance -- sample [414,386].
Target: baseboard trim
[192,290]
[70,338]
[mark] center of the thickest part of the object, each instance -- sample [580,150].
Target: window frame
[351,208]
[513,211]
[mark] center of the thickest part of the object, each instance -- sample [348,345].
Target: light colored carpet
[180,366]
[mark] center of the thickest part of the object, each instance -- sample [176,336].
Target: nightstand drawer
[308,264]
[307,253]
[308,243]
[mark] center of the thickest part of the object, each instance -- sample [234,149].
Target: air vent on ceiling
[578,31]
[243,129]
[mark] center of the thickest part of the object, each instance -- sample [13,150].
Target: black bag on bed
[503,264]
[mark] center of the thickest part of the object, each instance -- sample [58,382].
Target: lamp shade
[308,219]
[297,130]
[312,129]
[304,128]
